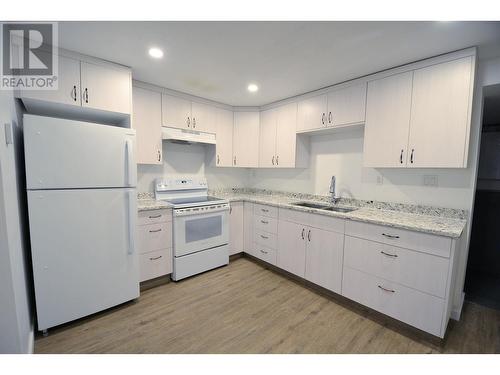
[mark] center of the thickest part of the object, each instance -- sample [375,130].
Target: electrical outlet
[380,180]
[430,180]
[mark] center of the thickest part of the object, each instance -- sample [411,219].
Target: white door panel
[73,154]
[83,251]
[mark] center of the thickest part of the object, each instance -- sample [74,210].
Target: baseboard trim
[456,313]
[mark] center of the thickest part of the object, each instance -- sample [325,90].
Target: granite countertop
[439,221]
[426,223]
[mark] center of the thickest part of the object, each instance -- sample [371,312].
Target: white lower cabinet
[236,229]
[248,227]
[154,238]
[292,247]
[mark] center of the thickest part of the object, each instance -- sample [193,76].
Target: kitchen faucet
[335,199]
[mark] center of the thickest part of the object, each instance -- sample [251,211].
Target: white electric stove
[201,225]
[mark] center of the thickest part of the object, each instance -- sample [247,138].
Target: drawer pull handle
[264,210]
[264,237]
[386,290]
[389,255]
[264,222]
[263,252]
[155,216]
[156,258]
[389,236]
[155,230]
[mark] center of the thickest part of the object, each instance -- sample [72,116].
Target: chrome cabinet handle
[389,236]
[155,258]
[389,255]
[218,159]
[264,222]
[86,95]
[188,122]
[155,216]
[323,119]
[411,156]
[74,93]
[303,232]
[264,237]
[330,117]
[272,160]
[263,252]
[264,210]
[401,157]
[234,161]
[159,155]
[277,160]
[386,290]
[155,230]
[309,235]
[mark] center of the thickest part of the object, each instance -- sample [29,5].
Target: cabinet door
[224,138]
[292,247]
[324,257]
[248,228]
[286,136]
[146,120]
[68,91]
[347,105]
[236,228]
[106,88]
[203,117]
[267,143]
[387,123]
[246,139]
[176,112]
[440,115]
[312,113]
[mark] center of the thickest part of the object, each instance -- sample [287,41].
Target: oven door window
[203,228]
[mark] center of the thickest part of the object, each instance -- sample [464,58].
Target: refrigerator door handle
[128,148]
[131,221]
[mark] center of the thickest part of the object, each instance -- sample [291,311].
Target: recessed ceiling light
[156,53]
[253,87]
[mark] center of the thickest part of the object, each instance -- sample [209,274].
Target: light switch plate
[430,180]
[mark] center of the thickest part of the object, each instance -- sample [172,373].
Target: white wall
[341,154]
[189,159]
[16,317]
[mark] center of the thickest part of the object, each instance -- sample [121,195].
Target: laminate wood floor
[247,308]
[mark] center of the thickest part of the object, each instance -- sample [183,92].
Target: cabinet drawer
[426,243]
[264,253]
[155,264]
[319,221]
[265,239]
[265,224]
[154,237]
[424,272]
[154,217]
[418,309]
[263,210]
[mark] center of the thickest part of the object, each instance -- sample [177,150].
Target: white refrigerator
[80,180]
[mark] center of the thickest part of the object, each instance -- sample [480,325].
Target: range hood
[186,136]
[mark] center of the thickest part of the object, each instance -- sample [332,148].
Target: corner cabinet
[146,120]
[246,139]
[420,118]
[224,138]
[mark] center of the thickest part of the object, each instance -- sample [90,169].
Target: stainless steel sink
[325,207]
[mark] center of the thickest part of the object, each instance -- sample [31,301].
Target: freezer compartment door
[62,154]
[83,251]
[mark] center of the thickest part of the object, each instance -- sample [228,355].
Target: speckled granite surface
[440,221]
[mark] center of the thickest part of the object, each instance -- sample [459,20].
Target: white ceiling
[217,60]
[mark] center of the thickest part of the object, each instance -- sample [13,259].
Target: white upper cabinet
[106,88]
[340,107]
[146,120]
[312,113]
[203,117]
[440,115]
[224,138]
[347,105]
[267,142]
[289,153]
[387,121]
[420,118]
[176,112]
[68,91]
[246,139]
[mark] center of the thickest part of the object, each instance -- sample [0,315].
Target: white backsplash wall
[188,159]
[341,154]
